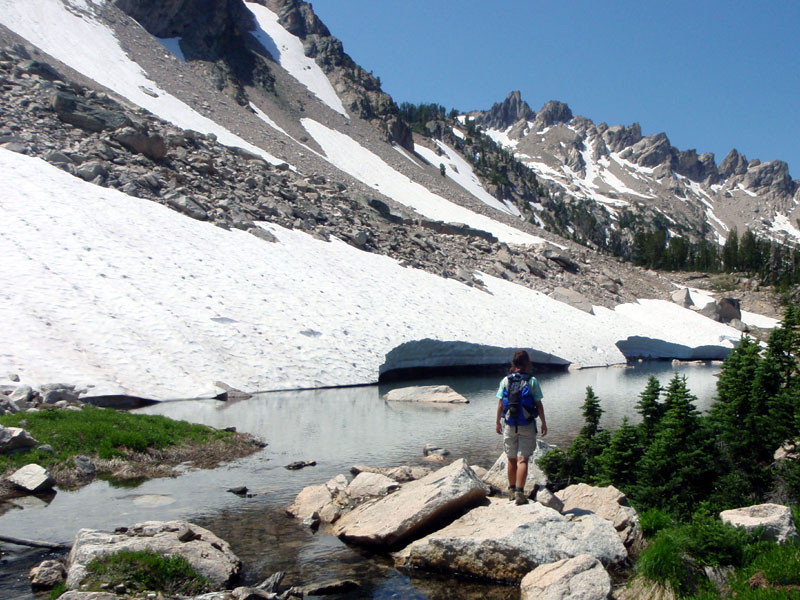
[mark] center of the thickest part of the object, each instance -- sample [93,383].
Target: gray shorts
[519,443]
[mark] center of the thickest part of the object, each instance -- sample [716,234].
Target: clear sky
[712,74]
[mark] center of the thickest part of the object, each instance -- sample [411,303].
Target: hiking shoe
[520,498]
[512,490]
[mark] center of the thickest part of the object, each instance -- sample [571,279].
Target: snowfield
[125,295]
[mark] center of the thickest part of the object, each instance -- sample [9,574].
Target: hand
[498,428]
[544,429]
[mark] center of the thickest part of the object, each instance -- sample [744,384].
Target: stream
[337,428]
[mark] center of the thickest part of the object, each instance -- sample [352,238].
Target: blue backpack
[519,407]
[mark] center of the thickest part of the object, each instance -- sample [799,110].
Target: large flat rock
[426,393]
[774,520]
[579,578]
[410,511]
[502,541]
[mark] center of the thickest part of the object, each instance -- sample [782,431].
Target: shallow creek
[337,428]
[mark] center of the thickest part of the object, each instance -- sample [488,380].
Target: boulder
[12,438]
[775,519]
[47,574]
[367,485]
[580,578]
[210,556]
[561,258]
[501,541]
[682,297]
[606,502]
[76,595]
[32,478]
[711,310]
[573,298]
[549,499]
[326,501]
[400,517]
[425,393]
[400,474]
[22,393]
[497,476]
[729,309]
[55,392]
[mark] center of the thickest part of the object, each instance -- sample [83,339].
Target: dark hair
[521,362]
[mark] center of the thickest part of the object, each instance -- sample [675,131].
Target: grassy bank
[121,444]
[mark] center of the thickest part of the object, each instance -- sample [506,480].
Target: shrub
[654,520]
[145,570]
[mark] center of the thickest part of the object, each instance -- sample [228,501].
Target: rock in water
[400,517]
[426,393]
[502,541]
[32,478]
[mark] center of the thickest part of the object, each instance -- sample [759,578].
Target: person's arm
[542,418]
[498,426]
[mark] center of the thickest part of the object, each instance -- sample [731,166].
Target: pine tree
[617,463]
[676,470]
[591,414]
[650,409]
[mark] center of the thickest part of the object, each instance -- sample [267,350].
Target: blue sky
[713,75]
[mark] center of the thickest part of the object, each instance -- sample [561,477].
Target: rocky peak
[553,112]
[620,137]
[299,19]
[733,164]
[770,177]
[504,114]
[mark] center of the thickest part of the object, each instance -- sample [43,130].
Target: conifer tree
[617,463]
[650,409]
[591,414]
[676,470]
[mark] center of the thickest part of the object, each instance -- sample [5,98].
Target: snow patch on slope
[352,158]
[287,49]
[460,171]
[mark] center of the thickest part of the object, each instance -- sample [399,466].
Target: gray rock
[502,541]
[339,586]
[22,393]
[429,449]
[606,502]
[370,485]
[497,477]
[580,578]
[425,393]
[682,297]
[75,110]
[208,554]
[573,298]
[326,501]
[56,392]
[729,309]
[399,517]
[32,478]
[775,520]
[561,258]
[47,574]
[12,438]
[152,145]
[549,499]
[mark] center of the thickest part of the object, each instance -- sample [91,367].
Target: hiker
[520,403]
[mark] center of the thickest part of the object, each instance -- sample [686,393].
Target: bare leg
[521,469]
[512,471]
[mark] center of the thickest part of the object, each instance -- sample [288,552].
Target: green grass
[145,570]
[104,432]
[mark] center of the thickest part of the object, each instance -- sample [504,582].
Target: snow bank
[66,34]
[94,293]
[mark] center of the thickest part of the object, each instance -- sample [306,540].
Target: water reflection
[338,428]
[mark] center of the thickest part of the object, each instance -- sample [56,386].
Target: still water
[337,428]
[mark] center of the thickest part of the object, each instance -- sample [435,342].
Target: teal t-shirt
[536,391]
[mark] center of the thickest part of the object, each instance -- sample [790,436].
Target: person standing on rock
[520,403]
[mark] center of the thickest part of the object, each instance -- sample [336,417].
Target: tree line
[678,460]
